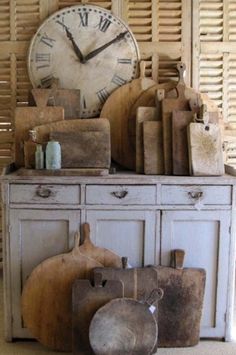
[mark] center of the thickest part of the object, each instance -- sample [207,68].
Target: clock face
[86,48]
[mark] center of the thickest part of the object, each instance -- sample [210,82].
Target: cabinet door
[205,237]
[35,236]
[127,233]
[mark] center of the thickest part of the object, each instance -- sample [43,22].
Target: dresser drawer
[121,195]
[45,194]
[191,194]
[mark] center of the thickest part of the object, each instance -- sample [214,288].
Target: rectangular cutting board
[153,148]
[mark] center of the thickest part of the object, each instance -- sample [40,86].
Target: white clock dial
[86,48]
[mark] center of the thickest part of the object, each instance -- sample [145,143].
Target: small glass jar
[39,157]
[53,155]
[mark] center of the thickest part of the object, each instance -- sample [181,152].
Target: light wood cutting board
[168,105]
[143,114]
[205,149]
[117,109]
[180,122]
[47,297]
[153,148]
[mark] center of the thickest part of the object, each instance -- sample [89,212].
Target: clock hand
[104,46]
[76,48]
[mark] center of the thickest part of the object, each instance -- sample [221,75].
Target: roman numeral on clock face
[46,81]
[102,95]
[44,59]
[118,80]
[47,40]
[124,61]
[104,23]
[83,19]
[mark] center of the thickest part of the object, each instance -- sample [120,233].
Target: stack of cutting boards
[179,136]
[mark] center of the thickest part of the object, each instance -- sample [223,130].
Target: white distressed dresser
[142,217]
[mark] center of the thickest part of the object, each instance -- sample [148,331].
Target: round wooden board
[116,109]
[123,326]
[47,298]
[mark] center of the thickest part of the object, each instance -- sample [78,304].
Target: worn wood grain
[180,310]
[143,114]
[123,326]
[47,297]
[28,117]
[117,109]
[86,300]
[85,148]
[180,122]
[153,148]
[205,149]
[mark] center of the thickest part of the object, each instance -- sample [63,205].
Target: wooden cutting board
[179,311]
[47,297]
[86,300]
[153,148]
[117,109]
[124,326]
[104,256]
[69,99]
[168,105]
[143,114]
[138,282]
[70,126]
[205,149]
[85,149]
[180,122]
[28,117]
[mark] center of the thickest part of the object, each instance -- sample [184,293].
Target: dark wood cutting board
[85,149]
[180,122]
[47,297]
[86,300]
[179,311]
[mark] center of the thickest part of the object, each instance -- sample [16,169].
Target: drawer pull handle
[43,192]
[119,194]
[195,195]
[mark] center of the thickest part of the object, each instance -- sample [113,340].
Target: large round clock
[86,48]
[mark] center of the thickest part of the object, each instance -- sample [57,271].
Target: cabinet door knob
[120,194]
[195,195]
[43,192]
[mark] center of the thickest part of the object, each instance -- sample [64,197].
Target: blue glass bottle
[53,155]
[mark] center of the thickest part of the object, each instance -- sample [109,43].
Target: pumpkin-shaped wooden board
[104,256]
[47,297]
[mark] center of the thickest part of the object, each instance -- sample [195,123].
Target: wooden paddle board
[205,149]
[124,326]
[47,297]
[153,148]
[143,114]
[180,122]
[86,300]
[85,149]
[117,109]
[104,256]
[28,117]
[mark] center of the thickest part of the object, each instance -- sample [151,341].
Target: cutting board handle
[142,68]
[155,295]
[77,242]
[181,67]
[177,258]
[41,96]
[86,234]
[124,261]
